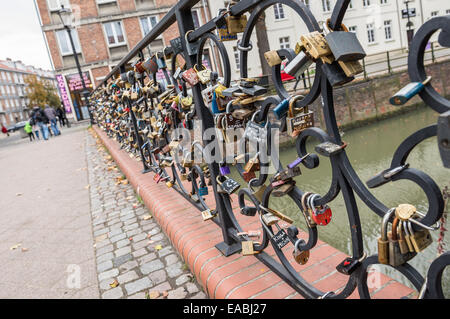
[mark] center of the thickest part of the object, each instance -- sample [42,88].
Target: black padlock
[443,135]
[345,46]
[177,45]
[348,265]
[230,91]
[335,74]
[255,90]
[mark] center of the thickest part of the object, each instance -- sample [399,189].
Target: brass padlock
[351,68]
[269,219]
[253,164]
[236,24]
[300,256]
[316,45]
[298,122]
[259,193]
[272,58]
[187,161]
[396,258]
[383,241]
[204,75]
[169,184]
[247,248]
[420,239]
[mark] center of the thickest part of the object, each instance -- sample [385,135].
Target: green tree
[41,92]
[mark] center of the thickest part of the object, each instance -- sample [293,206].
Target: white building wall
[359,16]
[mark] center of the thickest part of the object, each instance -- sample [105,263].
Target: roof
[10,65]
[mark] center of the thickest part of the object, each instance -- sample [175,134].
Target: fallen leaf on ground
[24,250]
[158,247]
[87,186]
[15,246]
[19,194]
[125,182]
[131,238]
[135,205]
[114,284]
[147,217]
[130,197]
[153,294]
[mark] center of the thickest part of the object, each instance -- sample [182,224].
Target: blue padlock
[214,105]
[408,92]
[203,191]
[281,109]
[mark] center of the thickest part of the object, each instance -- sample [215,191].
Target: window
[16,79]
[370,33]
[326,6]
[55,5]
[148,23]
[388,29]
[366,3]
[279,11]
[383,1]
[284,43]
[64,42]
[447,11]
[352,29]
[196,18]
[114,33]
[2,88]
[434,13]
[8,75]
[105,1]
[7,90]
[4,76]
[236,58]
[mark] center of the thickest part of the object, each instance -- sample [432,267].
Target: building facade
[107,29]
[13,102]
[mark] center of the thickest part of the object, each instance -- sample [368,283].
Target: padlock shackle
[385,222]
[327,25]
[394,231]
[292,102]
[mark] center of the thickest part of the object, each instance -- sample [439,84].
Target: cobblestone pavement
[134,257]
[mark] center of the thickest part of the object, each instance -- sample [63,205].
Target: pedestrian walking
[60,115]
[41,120]
[5,130]
[35,128]
[29,130]
[51,115]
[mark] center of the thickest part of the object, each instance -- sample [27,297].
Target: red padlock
[321,215]
[157,178]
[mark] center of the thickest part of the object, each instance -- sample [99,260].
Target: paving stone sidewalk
[131,250]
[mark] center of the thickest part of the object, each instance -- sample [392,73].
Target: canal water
[370,150]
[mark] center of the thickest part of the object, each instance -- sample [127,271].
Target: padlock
[203,190]
[253,164]
[408,92]
[315,44]
[297,161]
[402,239]
[344,45]
[351,68]
[259,193]
[180,62]
[383,241]
[207,215]
[281,109]
[269,219]
[204,74]
[322,215]
[186,102]
[248,176]
[160,60]
[208,96]
[277,214]
[169,184]
[247,248]
[229,185]
[396,258]
[150,65]
[242,114]
[225,35]
[405,211]
[335,75]
[187,162]
[298,65]
[289,173]
[348,266]
[191,77]
[408,237]
[224,169]
[272,58]
[236,24]
[300,256]
[283,189]
[297,123]
[420,239]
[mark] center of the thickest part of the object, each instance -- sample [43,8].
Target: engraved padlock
[383,241]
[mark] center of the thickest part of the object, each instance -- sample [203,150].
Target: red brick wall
[126,5]
[99,72]
[133,31]
[43,11]
[166,3]
[93,42]
[54,49]
[88,8]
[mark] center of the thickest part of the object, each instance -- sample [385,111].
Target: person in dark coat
[41,120]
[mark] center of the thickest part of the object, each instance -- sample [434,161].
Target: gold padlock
[204,75]
[351,68]
[247,248]
[236,24]
[269,219]
[316,45]
[298,122]
[169,184]
[272,58]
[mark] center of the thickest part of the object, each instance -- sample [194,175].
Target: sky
[21,37]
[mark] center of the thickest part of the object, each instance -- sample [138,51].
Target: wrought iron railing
[141,114]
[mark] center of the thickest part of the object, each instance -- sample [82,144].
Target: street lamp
[66,19]
[409,24]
